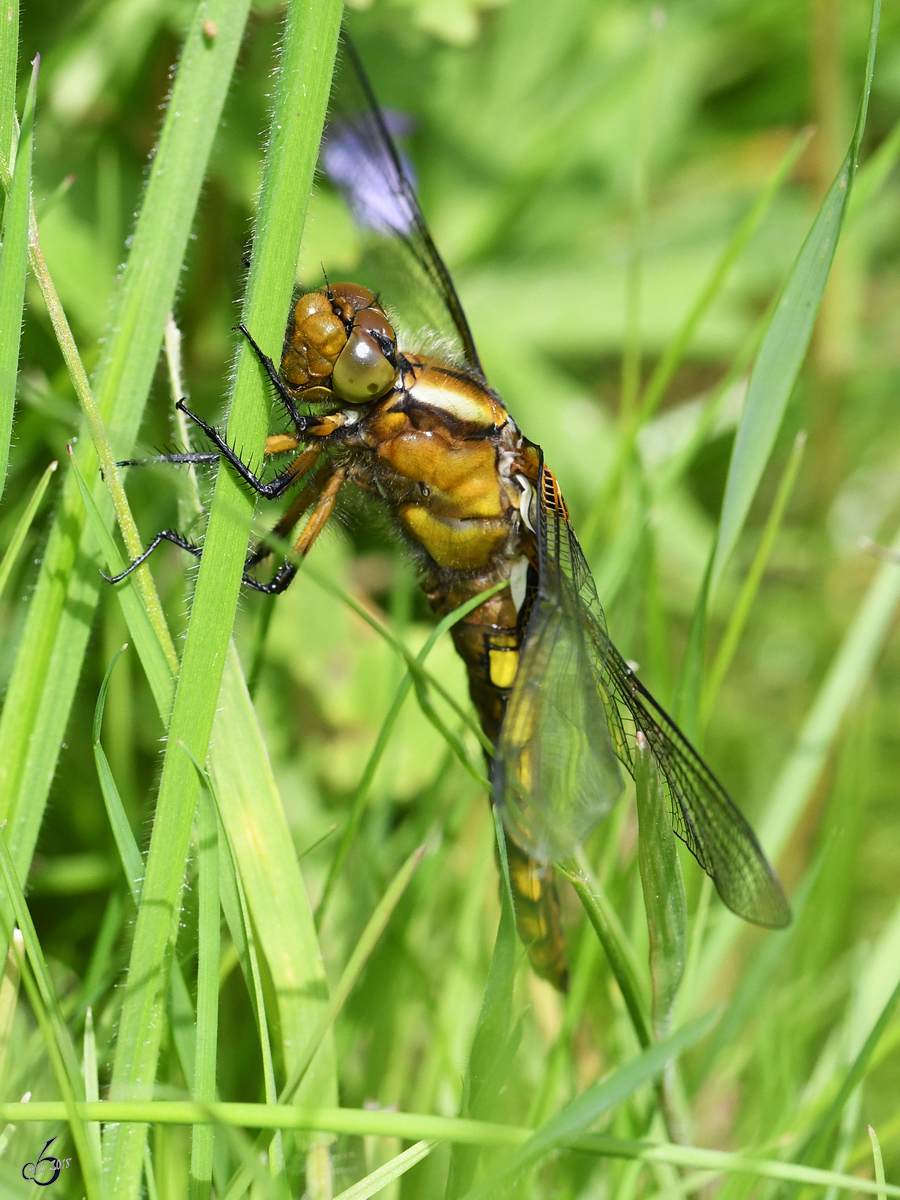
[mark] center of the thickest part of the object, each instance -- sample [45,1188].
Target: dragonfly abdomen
[487,640]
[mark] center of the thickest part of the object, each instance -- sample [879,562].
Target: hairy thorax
[444,453]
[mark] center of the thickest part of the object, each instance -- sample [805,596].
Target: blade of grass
[129,854]
[91,1080]
[13,266]
[102,448]
[242,931]
[872,175]
[596,1100]
[665,370]
[181,1010]
[9,54]
[53,643]
[422,680]
[207,995]
[784,347]
[265,858]
[379,1179]
[361,796]
[156,662]
[792,791]
[815,1145]
[495,1041]
[879,1164]
[614,941]
[304,76]
[45,1005]
[363,949]
[16,541]
[750,586]
[359,1122]
[9,997]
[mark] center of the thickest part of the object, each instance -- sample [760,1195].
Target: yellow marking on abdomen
[503,666]
[465,545]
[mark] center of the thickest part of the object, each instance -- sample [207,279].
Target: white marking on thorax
[527,501]
[351,415]
[518,578]
[453,401]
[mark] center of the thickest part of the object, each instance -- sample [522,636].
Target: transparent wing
[566,719]
[556,771]
[401,263]
[703,814]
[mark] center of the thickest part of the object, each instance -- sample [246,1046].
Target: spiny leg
[167,535]
[274,378]
[289,518]
[277,486]
[177,459]
[318,519]
[276,443]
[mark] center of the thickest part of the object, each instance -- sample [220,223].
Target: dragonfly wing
[575,704]
[556,771]
[703,814]
[362,160]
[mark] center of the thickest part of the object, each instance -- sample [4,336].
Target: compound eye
[366,368]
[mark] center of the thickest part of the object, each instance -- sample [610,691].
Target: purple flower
[377,186]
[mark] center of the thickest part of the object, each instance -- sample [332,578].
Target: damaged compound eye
[367,366]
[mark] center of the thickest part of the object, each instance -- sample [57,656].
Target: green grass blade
[54,640]
[815,1146]
[301,96]
[495,1040]
[360,799]
[784,347]
[674,354]
[9,998]
[207,995]
[91,1080]
[13,266]
[665,370]
[879,1164]
[313,1041]
[264,856]
[102,448]
[796,783]
[130,855]
[577,1116]
[45,1004]
[615,943]
[873,175]
[9,55]
[378,1180]
[16,541]
[154,660]
[359,1122]
[750,586]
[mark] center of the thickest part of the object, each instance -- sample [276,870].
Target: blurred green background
[577,162]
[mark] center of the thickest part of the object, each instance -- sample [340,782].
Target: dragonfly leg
[271,490]
[275,379]
[276,443]
[177,459]
[318,519]
[167,535]
[288,519]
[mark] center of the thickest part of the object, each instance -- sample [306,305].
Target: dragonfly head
[340,338]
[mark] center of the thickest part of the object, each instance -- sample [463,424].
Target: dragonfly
[384,390]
